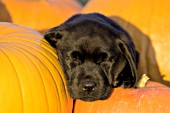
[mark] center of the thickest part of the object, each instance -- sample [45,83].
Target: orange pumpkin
[147,21]
[31,79]
[38,14]
[152,99]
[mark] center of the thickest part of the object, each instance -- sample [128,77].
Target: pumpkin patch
[31,79]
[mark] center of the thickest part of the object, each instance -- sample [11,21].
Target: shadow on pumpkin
[4,15]
[147,61]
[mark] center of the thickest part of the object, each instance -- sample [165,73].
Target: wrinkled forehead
[90,44]
[90,36]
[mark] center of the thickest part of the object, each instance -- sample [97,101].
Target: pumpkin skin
[147,21]
[152,99]
[39,14]
[31,79]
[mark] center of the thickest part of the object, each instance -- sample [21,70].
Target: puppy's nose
[88,86]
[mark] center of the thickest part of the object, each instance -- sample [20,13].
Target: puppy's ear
[53,35]
[129,74]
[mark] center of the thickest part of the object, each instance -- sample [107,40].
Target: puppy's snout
[88,85]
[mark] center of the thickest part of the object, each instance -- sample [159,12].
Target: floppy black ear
[53,35]
[129,75]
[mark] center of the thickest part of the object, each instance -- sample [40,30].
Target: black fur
[96,55]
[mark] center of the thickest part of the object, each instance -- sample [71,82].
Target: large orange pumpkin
[38,14]
[31,80]
[148,23]
[152,99]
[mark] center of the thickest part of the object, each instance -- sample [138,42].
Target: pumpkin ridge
[42,53]
[31,56]
[56,67]
[45,45]
[16,48]
[19,82]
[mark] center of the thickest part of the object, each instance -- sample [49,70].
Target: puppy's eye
[101,57]
[76,56]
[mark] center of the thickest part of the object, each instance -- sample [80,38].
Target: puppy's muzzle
[88,85]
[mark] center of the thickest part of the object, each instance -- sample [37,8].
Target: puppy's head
[96,54]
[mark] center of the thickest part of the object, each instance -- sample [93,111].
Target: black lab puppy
[96,55]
